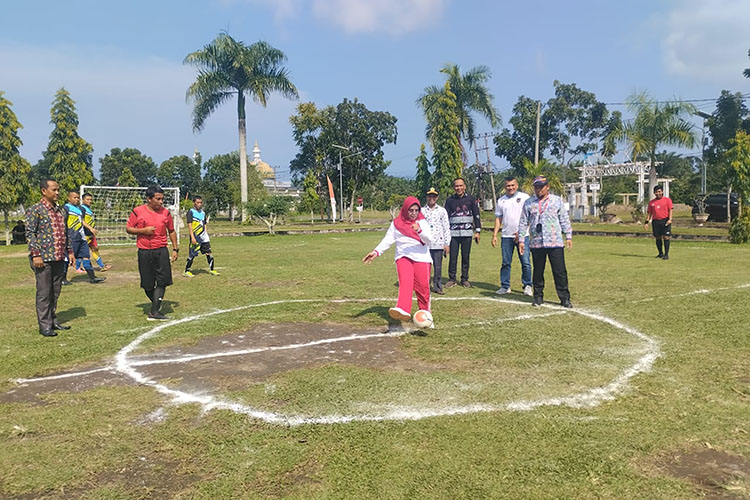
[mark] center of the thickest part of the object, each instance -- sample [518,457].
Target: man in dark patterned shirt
[48,249]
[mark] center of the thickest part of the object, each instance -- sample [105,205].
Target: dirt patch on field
[718,475]
[234,371]
[146,476]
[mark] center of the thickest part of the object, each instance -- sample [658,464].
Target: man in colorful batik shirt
[437,218]
[545,217]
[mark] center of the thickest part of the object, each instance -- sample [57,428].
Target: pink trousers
[413,277]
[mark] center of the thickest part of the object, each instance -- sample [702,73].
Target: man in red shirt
[660,214]
[152,224]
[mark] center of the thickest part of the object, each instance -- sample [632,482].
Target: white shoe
[528,290]
[399,314]
[503,291]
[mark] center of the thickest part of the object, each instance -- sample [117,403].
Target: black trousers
[437,268]
[464,243]
[559,273]
[48,284]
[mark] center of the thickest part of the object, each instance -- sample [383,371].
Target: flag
[332,197]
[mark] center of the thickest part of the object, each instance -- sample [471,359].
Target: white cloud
[707,40]
[394,17]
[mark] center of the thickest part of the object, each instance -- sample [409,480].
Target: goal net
[112,206]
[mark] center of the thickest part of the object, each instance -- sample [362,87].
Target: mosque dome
[265,170]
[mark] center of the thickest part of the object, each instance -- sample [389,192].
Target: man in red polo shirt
[152,224]
[660,213]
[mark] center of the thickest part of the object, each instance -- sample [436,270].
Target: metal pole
[341,190]
[536,144]
[492,174]
[703,158]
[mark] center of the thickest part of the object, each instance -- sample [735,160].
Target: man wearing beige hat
[437,218]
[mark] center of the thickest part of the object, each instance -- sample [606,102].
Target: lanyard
[541,210]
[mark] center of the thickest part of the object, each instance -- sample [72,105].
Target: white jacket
[406,246]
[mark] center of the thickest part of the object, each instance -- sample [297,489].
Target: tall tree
[423,178]
[729,117]
[67,158]
[747,70]
[655,124]
[221,186]
[127,179]
[446,149]
[182,172]
[471,95]
[518,144]
[349,132]
[15,185]
[227,67]
[141,166]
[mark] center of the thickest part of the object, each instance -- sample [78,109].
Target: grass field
[642,391]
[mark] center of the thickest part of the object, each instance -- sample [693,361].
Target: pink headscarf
[403,222]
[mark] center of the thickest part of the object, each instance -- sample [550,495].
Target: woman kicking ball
[411,234]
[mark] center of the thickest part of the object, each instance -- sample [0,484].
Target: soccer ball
[423,319]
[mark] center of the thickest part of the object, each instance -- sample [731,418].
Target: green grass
[99,443]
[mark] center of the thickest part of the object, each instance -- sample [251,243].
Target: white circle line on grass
[588,398]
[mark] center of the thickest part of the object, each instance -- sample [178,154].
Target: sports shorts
[661,228]
[80,249]
[204,248]
[154,267]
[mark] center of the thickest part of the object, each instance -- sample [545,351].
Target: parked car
[716,206]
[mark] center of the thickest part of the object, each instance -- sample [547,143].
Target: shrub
[739,231]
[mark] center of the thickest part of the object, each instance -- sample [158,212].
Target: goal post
[112,206]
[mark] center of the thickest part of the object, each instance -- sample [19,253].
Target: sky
[122,61]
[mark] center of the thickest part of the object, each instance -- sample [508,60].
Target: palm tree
[227,68]
[545,168]
[472,96]
[655,124]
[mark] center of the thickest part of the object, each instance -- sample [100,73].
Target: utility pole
[341,188]
[536,144]
[487,168]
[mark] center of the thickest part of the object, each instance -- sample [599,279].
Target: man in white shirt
[507,215]
[437,218]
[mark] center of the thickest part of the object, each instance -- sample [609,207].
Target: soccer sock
[150,294]
[210,260]
[86,264]
[158,296]
[188,265]
[658,246]
[90,272]
[79,265]
[98,258]
[666,247]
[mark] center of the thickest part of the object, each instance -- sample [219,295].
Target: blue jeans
[507,245]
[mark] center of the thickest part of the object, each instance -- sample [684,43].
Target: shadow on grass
[71,314]
[632,255]
[381,311]
[519,296]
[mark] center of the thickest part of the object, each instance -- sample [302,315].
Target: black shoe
[157,317]
[439,292]
[66,282]
[96,280]
[48,333]
[466,284]
[660,256]
[566,304]
[538,301]
[666,257]
[58,326]
[449,284]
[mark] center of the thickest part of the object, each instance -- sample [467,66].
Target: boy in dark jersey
[76,227]
[199,240]
[660,213]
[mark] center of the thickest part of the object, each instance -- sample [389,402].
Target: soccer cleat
[399,314]
[213,273]
[528,290]
[96,280]
[106,267]
[660,256]
[502,291]
[188,274]
[157,317]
